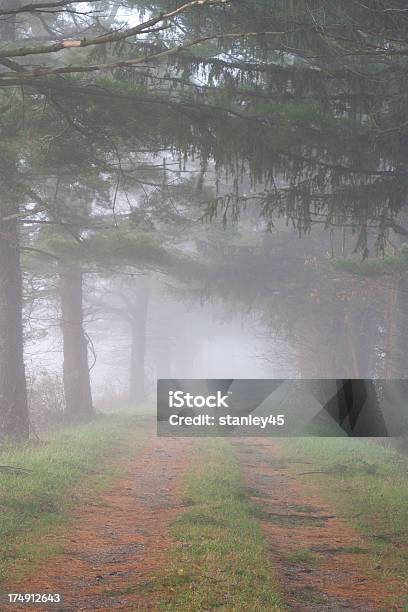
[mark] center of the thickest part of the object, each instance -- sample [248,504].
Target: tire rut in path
[331,576]
[118,544]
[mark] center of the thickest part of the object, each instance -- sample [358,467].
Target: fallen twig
[14,468]
[317,472]
[317,517]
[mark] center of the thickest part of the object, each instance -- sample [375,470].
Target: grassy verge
[368,485]
[58,473]
[375,266]
[221,561]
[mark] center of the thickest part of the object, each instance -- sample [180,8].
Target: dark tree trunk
[137,389]
[401,344]
[77,385]
[14,422]
[8,23]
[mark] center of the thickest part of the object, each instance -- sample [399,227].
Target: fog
[266,304]
[203,305]
[182,341]
[235,215]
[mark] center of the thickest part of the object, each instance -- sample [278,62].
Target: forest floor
[205,524]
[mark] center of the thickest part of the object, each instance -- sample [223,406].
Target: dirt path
[121,541]
[318,557]
[117,555]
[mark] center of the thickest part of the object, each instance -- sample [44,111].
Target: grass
[368,485]
[221,560]
[304,557]
[375,266]
[288,520]
[61,471]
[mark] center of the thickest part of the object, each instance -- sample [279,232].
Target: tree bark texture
[14,421]
[137,389]
[77,385]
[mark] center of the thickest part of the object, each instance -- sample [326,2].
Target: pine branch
[140,62]
[110,37]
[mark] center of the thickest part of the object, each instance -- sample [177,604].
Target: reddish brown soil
[118,554]
[295,519]
[120,543]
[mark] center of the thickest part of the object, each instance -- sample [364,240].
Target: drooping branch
[136,62]
[110,37]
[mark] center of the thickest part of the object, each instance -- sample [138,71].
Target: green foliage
[128,248]
[105,249]
[374,266]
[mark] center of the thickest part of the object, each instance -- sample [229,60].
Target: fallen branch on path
[317,517]
[318,472]
[14,468]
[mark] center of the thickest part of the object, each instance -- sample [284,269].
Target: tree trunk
[14,422]
[8,23]
[137,389]
[77,385]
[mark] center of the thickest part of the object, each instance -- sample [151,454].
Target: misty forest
[215,189]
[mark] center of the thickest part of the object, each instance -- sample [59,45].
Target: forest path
[117,545]
[116,551]
[318,557]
